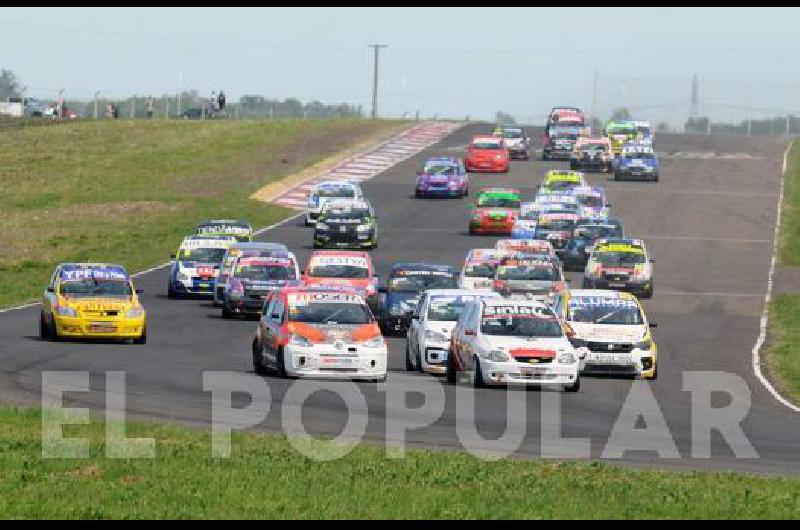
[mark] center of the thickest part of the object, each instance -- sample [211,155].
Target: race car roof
[462,292]
[340,253]
[504,302]
[411,266]
[594,191]
[499,191]
[225,222]
[207,242]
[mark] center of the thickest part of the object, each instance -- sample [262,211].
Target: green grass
[127,191]
[267,478]
[789,239]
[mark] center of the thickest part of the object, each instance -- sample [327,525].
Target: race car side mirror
[140,291]
[51,290]
[653,324]
[172,256]
[302,273]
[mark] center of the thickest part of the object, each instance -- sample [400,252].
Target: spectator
[221,100]
[150,107]
[114,110]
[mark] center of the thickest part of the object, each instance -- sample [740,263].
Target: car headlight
[321,226]
[66,311]
[375,342]
[183,277]
[134,312]
[644,345]
[498,157]
[435,336]
[498,356]
[363,228]
[299,340]
[566,358]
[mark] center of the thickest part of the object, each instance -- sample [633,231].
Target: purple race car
[442,177]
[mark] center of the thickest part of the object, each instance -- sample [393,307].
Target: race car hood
[482,154]
[514,142]
[608,333]
[334,333]
[534,287]
[97,304]
[407,301]
[521,347]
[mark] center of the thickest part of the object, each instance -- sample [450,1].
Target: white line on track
[762,333]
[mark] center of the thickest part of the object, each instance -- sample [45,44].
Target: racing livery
[556,229]
[592,154]
[92,301]
[196,265]
[442,177]
[527,247]
[620,264]
[341,269]
[559,141]
[432,324]
[478,269]
[495,211]
[517,141]
[572,115]
[487,154]
[592,201]
[328,190]
[404,284]
[620,133]
[512,342]
[528,277]
[346,224]
[241,230]
[320,333]
[636,162]
[611,330]
[236,250]
[561,181]
[253,278]
[525,225]
[583,238]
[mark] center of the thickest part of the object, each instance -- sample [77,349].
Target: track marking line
[762,334]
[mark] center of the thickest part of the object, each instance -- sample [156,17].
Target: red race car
[487,153]
[342,269]
[495,211]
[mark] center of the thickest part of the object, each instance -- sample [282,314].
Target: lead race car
[330,190]
[442,177]
[487,154]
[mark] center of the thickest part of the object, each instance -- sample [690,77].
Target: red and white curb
[373,162]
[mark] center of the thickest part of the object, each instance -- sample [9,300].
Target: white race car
[432,323]
[513,342]
[327,190]
[478,269]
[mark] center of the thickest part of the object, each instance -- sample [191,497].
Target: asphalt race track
[709,225]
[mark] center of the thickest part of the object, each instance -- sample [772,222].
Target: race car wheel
[471,231]
[450,371]
[478,381]
[226,314]
[317,245]
[258,362]
[648,293]
[171,294]
[409,365]
[418,194]
[655,374]
[142,338]
[44,331]
[281,362]
[574,387]
[466,192]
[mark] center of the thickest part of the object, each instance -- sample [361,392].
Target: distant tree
[621,114]
[9,85]
[502,118]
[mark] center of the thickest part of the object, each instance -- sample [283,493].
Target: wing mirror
[469,332]
[139,291]
[51,289]
[653,324]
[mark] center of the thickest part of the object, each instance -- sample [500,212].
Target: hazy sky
[446,61]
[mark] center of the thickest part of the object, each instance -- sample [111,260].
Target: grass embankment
[266,478]
[127,191]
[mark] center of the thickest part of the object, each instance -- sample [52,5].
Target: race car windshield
[591,148]
[561,185]
[620,258]
[612,314]
[512,133]
[488,201]
[330,313]
[591,201]
[201,255]
[356,214]
[597,232]
[448,310]
[542,274]
[434,169]
[91,288]
[411,283]
[265,272]
[492,146]
[557,224]
[338,271]
[479,270]
[335,192]
[521,326]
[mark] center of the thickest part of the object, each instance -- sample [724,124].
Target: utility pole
[594,100]
[376,49]
[749,106]
[133,106]
[96,94]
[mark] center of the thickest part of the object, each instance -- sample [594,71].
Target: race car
[556,229]
[559,140]
[612,332]
[525,225]
[435,317]
[495,211]
[196,265]
[346,224]
[487,154]
[328,190]
[241,230]
[620,264]
[398,298]
[442,177]
[592,201]
[583,238]
[572,115]
[342,269]
[528,248]
[254,249]
[560,202]
[321,333]
[636,162]
[512,342]
[478,269]
[620,133]
[528,277]
[592,154]
[644,132]
[92,301]
[561,181]
[517,141]
[253,278]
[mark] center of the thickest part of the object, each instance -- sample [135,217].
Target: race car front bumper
[557,154]
[517,373]
[79,327]
[440,192]
[519,152]
[592,165]
[193,287]
[487,166]
[503,228]
[626,174]
[434,359]
[331,240]
[324,361]
[251,304]
[618,359]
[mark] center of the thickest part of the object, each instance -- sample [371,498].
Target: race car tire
[418,194]
[477,381]
[574,387]
[655,177]
[226,314]
[648,294]
[171,294]
[44,330]
[142,339]
[258,363]
[655,374]
[317,245]
[466,192]
[450,375]
[280,361]
[471,231]
[409,366]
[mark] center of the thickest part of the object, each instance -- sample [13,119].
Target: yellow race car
[561,181]
[92,301]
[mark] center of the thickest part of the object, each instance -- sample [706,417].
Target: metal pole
[133,106]
[96,94]
[376,49]
[594,100]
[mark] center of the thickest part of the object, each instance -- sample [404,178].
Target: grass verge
[127,191]
[266,478]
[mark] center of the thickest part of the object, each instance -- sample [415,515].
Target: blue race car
[442,177]
[636,162]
